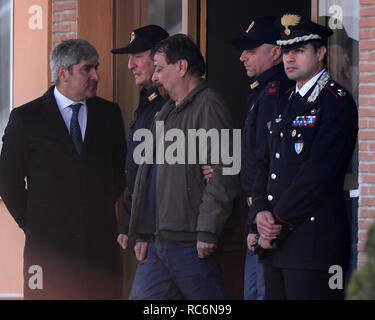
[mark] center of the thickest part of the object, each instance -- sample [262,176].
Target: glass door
[342,16]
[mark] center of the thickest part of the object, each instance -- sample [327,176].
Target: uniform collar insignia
[269,125]
[320,84]
[291,94]
[152,96]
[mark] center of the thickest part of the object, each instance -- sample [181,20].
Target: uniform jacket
[150,102]
[262,101]
[311,143]
[67,208]
[187,208]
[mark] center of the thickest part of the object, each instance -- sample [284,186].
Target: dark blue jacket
[311,143]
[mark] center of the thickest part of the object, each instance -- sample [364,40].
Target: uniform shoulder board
[152,97]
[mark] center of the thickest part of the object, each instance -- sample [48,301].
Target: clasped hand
[267,229]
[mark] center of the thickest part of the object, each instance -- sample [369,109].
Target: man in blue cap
[262,60]
[140,63]
[299,186]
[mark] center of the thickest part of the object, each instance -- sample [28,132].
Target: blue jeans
[254,277]
[174,271]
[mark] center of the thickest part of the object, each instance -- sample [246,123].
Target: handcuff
[258,248]
[255,245]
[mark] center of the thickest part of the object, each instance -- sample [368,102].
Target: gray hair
[68,53]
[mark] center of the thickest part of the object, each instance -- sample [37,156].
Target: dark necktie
[75,129]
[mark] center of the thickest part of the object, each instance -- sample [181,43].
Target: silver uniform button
[273,176]
[270,198]
[281,135]
[312,219]
[277,155]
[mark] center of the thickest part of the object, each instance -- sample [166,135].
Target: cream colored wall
[30,80]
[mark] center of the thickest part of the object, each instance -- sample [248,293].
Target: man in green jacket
[176,217]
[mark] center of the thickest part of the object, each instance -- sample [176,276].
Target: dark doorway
[225,73]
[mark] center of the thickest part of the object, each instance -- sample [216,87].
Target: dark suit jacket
[67,208]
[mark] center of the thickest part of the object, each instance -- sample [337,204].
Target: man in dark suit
[300,185]
[61,172]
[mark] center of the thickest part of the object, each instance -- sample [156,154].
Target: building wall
[366,137]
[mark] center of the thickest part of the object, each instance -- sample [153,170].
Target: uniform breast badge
[298,147]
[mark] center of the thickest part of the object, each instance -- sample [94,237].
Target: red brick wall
[366,211]
[64,20]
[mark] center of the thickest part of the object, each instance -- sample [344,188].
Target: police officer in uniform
[151,100]
[299,186]
[262,60]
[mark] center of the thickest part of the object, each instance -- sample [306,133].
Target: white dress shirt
[309,84]
[63,103]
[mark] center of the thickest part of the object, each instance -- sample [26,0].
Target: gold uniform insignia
[254,85]
[132,37]
[152,97]
[290,20]
[250,27]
